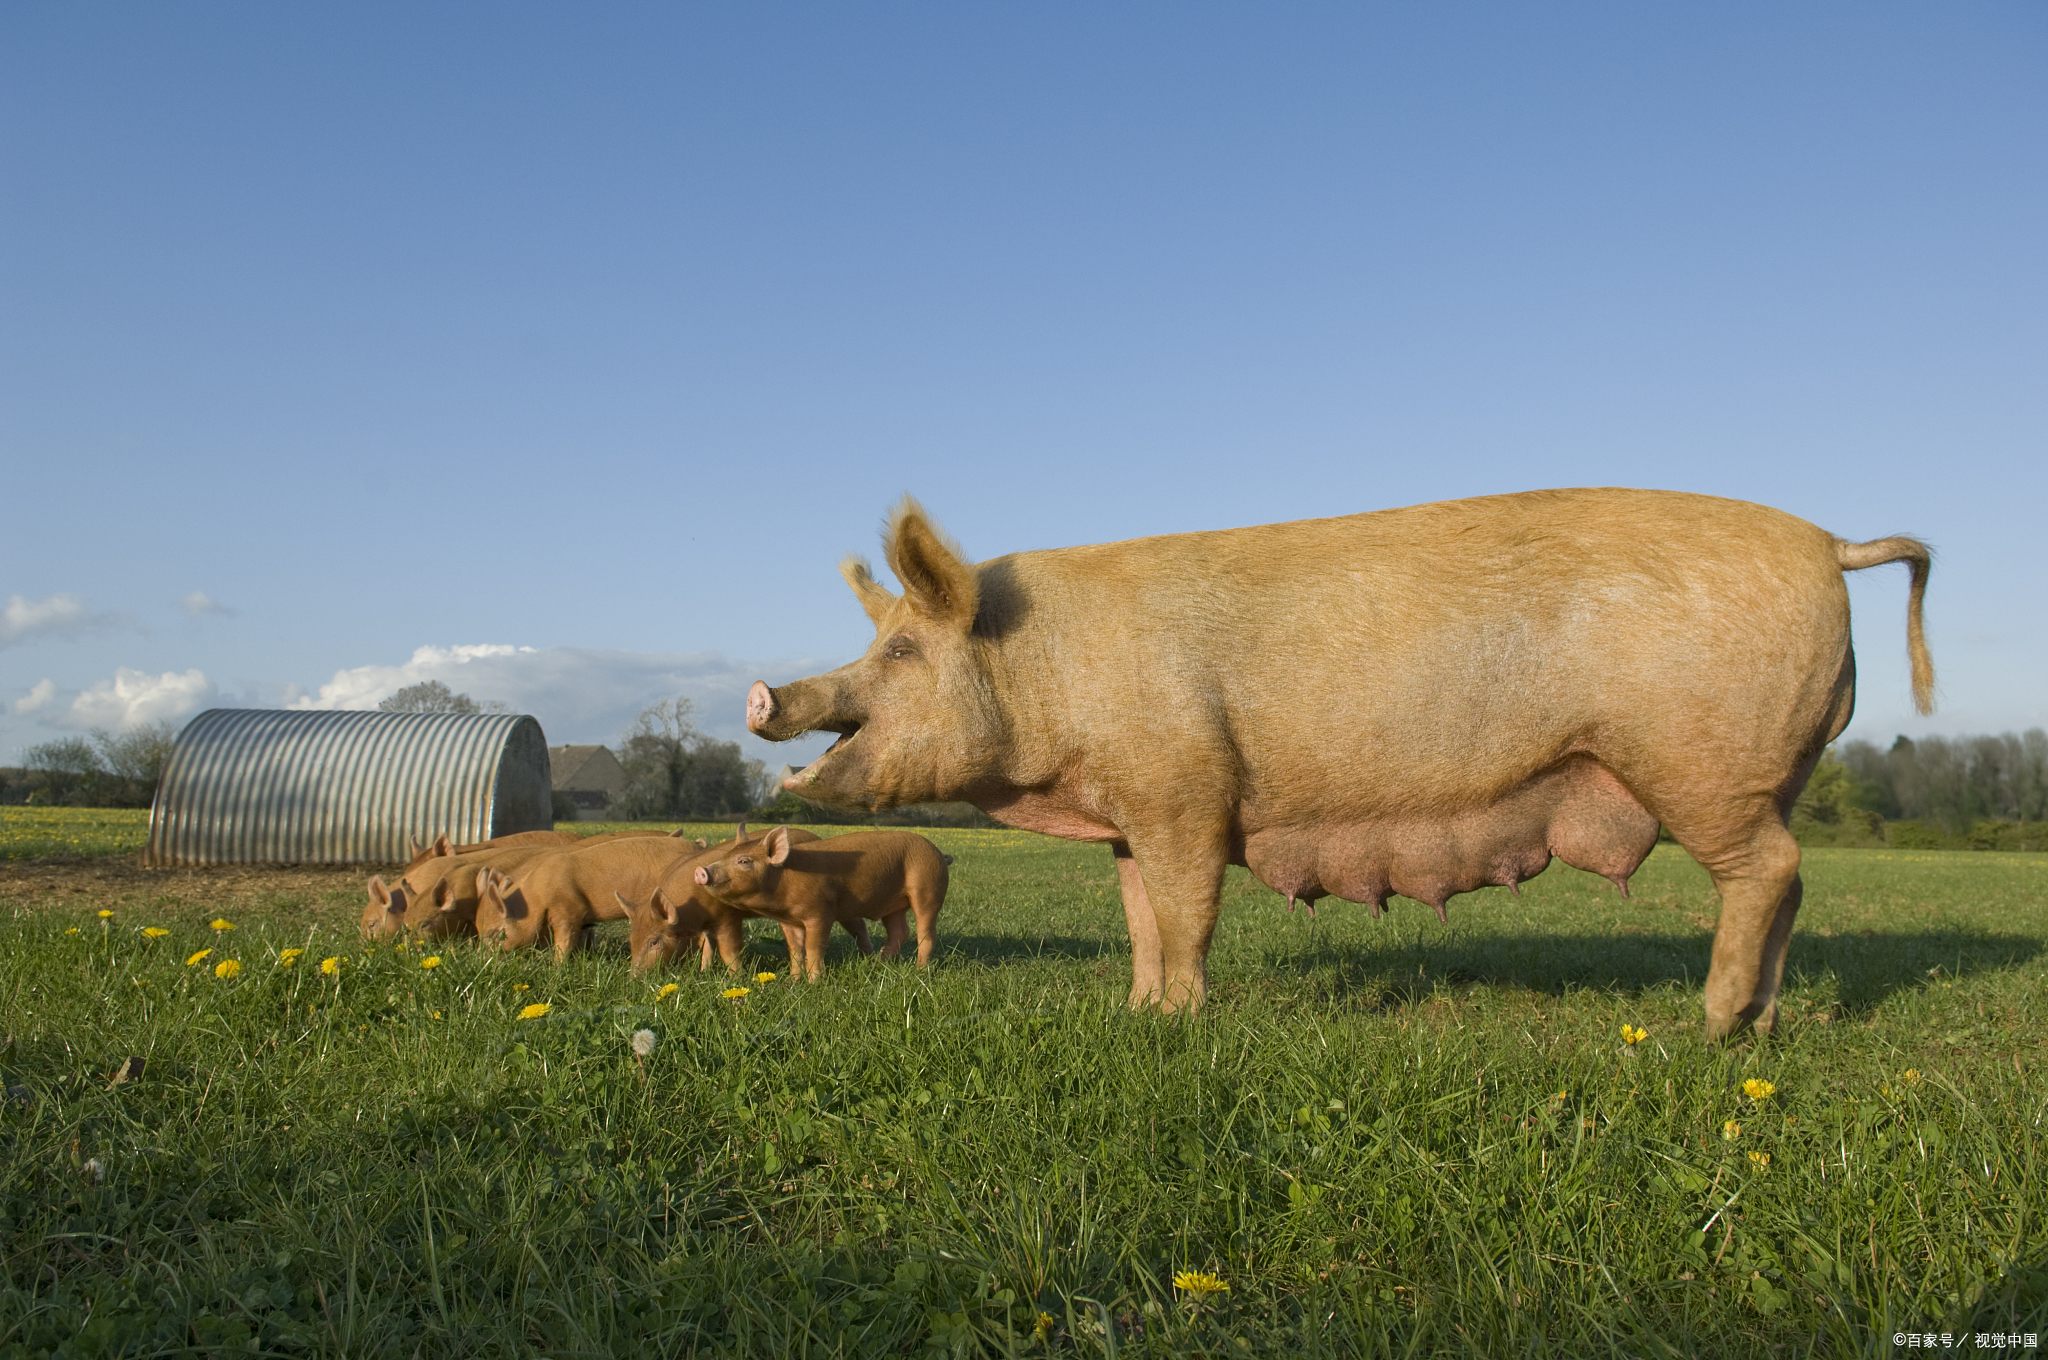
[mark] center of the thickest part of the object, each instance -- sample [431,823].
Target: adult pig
[1421,701]
[879,875]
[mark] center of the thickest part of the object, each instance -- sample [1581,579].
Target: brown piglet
[874,874]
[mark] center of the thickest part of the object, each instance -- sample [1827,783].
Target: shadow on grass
[1867,967]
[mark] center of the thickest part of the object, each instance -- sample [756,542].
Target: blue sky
[560,353]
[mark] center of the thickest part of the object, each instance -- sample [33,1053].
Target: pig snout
[761,707]
[703,876]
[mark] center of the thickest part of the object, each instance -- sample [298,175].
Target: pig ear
[662,908]
[936,581]
[633,909]
[441,846]
[379,894]
[413,846]
[740,832]
[700,843]
[777,845]
[442,892]
[875,597]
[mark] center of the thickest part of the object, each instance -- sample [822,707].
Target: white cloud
[44,691]
[61,616]
[199,603]
[366,686]
[583,694]
[133,697]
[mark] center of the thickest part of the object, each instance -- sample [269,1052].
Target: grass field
[1391,1137]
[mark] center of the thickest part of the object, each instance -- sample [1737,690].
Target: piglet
[878,875]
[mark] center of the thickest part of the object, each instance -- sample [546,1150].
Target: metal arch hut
[271,786]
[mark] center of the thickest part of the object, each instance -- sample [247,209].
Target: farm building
[590,775]
[294,787]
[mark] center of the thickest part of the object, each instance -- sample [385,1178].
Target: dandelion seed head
[643,1042]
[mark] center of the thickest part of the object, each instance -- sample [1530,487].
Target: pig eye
[900,649]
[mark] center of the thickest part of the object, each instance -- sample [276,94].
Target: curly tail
[1856,556]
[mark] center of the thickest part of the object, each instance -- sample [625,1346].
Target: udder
[1578,812]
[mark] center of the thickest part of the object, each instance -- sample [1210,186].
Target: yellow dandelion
[331,966]
[667,989]
[1731,1130]
[155,932]
[1911,1076]
[1762,1159]
[1758,1090]
[431,961]
[221,923]
[536,1010]
[1042,1326]
[437,1015]
[1200,1283]
[106,915]
[72,931]
[734,993]
[1632,1036]
[287,957]
[198,958]
[226,968]
[764,977]
[518,986]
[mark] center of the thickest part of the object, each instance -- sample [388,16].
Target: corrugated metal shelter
[276,786]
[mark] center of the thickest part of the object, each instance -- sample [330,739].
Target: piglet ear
[631,909]
[740,832]
[413,848]
[777,845]
[700,843]
[660,906]
[441,846]
[442,893]
[379,894]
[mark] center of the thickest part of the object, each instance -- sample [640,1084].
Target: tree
[65,771]
[675,772]
[431,696]
[139,754]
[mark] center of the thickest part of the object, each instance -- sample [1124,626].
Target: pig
[680,915]
[436,898]
[565,891]
[1422,701]
[875,874]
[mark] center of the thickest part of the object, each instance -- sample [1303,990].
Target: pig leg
[1760,894]
[1182,874]
[816,932]
[731,935]
[1148,970]
[793,939]
[898,932]
[858,928]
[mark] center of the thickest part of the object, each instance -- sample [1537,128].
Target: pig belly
[1578,812]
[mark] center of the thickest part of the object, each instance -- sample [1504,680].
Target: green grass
[1392,1137]
[39,833]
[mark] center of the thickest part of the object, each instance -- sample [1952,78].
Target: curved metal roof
[278,786]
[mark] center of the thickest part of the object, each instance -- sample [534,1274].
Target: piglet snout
[703,877]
